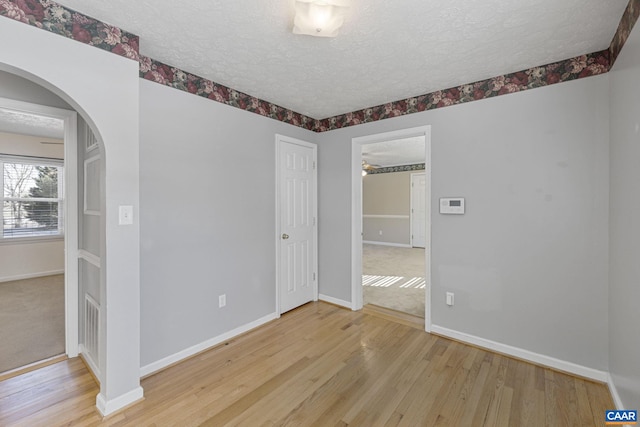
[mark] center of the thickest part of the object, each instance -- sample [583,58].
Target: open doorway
[393,195]
[38,293]
[382,222]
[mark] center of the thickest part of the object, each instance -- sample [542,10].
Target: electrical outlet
[381,232]
[450,299]
[222,300]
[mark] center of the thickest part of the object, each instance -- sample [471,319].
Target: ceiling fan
[367,167]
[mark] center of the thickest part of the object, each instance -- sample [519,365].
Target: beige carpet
[394,278]
[31,321]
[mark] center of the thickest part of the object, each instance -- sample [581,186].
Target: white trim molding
[538,359]
[397,245]
[335,301]
[614,392]
[89,257]
[386,216]
[108,407]
[31,275]
[205,345]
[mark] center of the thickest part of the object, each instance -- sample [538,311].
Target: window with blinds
[32,197]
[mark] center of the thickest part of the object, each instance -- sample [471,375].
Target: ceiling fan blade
[368,166]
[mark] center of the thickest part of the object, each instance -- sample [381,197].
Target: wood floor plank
[320,365]
[529,399]
[503,379]
[298,388]
[492,381]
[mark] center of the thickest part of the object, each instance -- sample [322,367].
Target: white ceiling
[408,151]
[386,51]
[22,123]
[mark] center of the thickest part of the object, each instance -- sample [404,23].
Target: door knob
[285,236]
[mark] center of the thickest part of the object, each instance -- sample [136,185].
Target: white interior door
[297,229]
[418,211]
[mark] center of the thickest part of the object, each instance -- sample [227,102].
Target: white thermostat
[452,206]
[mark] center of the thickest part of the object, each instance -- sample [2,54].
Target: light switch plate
[450,299]
[125,216]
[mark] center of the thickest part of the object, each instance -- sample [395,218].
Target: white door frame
[411,206]
[281,139]
[356,212]
[70,119]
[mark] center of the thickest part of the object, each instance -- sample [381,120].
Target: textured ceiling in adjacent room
[19,122]
[407,151]
[386,50]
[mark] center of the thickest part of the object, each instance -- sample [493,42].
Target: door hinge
[314,277]
[314,165]
[314,220]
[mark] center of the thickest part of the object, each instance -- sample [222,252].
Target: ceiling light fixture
[320,18]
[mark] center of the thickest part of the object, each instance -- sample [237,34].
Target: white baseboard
[397,245]
[539,359]
[336,301]
[31,275]
[614,393]
[188,352]
[108,407]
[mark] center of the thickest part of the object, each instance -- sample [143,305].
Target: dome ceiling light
[319,18]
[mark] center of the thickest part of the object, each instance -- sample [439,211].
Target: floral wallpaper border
[391,169]
[55,18]
[629,19]
[167,75]
[571,69]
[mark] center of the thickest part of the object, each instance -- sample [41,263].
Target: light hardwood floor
[322,365]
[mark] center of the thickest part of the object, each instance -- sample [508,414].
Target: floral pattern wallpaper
[562,71]
[629,19]
[570,69]
[390,169]
[174,77]
[50,16]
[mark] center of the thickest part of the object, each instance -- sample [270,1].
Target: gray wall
[528,262]
[624,293]
[207,218]
[387,194]
[20,89]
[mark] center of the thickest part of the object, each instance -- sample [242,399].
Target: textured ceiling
[408,151]
[386,50]
[30,124]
